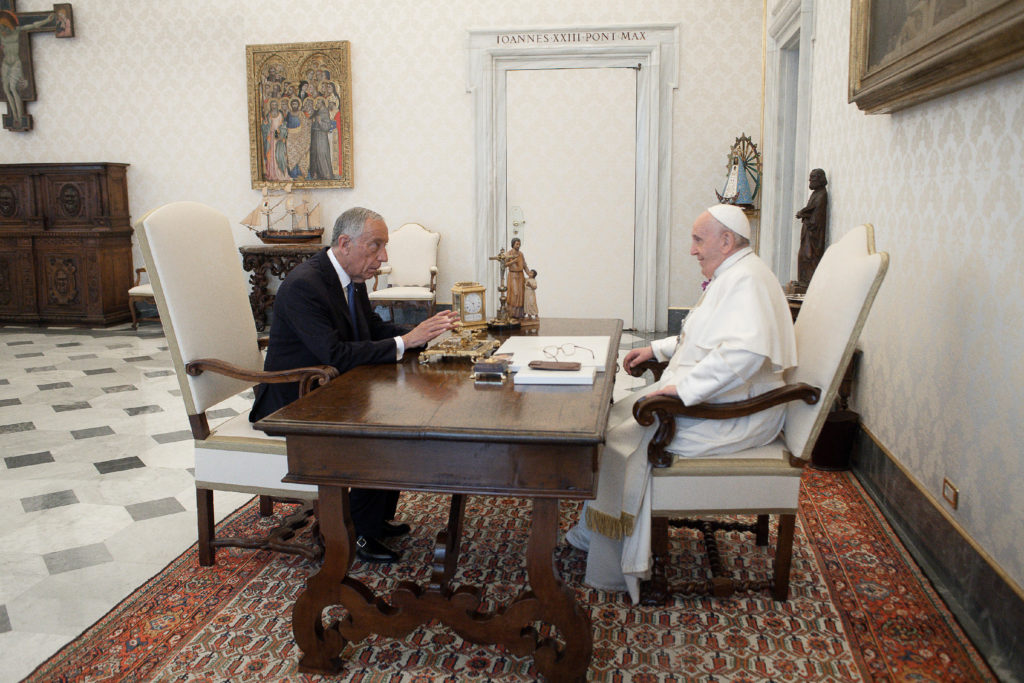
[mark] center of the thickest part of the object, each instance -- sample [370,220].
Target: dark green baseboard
[983,600]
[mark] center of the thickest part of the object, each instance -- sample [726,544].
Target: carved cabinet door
[61,267]
[17,279]
[16,203]
[71,199]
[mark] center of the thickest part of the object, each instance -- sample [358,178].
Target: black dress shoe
[389,530]
[371,550]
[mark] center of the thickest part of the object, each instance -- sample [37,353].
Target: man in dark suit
[322,316]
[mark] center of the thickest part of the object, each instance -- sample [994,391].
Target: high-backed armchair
[763,481]
[200,292]
[411,269]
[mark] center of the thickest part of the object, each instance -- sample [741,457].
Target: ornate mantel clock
[468,302]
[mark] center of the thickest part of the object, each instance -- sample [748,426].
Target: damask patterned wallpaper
[941,381]
[161,85]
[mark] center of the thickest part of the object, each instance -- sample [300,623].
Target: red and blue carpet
[860,610]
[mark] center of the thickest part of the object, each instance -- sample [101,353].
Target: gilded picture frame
[903,52]
[300,115]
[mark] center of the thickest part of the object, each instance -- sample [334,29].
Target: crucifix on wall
[16,74]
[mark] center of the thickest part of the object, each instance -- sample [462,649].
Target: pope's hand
[637,356]
[669,390]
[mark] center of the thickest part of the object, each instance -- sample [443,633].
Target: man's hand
[636,356]
[430,328]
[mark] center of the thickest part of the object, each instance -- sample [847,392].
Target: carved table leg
[255,264]
[321,646]
[547,600]
[446,548]
[558,603]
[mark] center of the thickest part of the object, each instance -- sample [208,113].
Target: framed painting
[300,115]
[903,52]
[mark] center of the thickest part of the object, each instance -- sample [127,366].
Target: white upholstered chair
[200,292]
[763,481]
[411,269]
[141,292]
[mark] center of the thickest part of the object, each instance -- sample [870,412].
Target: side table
[264,260]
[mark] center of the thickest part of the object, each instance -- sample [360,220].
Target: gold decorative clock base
[463,344]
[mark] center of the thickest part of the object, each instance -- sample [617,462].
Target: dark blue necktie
[351,291]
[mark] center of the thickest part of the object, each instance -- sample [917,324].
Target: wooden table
[431,428]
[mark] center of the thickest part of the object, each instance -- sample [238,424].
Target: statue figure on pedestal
[530,297]
[814,217]
[515,263]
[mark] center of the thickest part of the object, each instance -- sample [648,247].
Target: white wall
[161,85]
[940,384]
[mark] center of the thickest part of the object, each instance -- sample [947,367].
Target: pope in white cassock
[735,344]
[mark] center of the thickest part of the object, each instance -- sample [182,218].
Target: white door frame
[654,48]
[791,26]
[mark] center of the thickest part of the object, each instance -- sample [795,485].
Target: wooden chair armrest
[262,343]
[309,378]
[655,366]
[664,410]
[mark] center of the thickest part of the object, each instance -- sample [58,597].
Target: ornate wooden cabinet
[65,243]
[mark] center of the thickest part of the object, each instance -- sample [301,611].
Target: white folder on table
[585,375]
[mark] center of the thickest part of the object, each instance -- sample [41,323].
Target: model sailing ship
[281,219]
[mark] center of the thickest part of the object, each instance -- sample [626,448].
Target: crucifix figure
[16,76]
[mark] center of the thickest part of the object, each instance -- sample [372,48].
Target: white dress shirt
[345,279]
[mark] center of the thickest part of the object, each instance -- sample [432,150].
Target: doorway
[570,186]
[651,52]
[786,130]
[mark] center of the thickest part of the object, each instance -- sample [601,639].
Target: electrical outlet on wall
[950,493]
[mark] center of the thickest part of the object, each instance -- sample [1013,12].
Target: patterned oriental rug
[859,610]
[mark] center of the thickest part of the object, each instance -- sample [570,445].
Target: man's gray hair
[352,222]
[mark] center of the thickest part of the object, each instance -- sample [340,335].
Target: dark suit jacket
[312,326]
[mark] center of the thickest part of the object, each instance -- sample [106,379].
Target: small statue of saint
[515,264]
[814,217]
[530,297]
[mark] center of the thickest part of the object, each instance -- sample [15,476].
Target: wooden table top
[440,401]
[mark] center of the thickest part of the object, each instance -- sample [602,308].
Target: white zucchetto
[732,217]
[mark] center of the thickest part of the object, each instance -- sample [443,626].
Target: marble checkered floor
[96,485]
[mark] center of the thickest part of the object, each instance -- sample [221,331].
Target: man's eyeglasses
[568,350]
